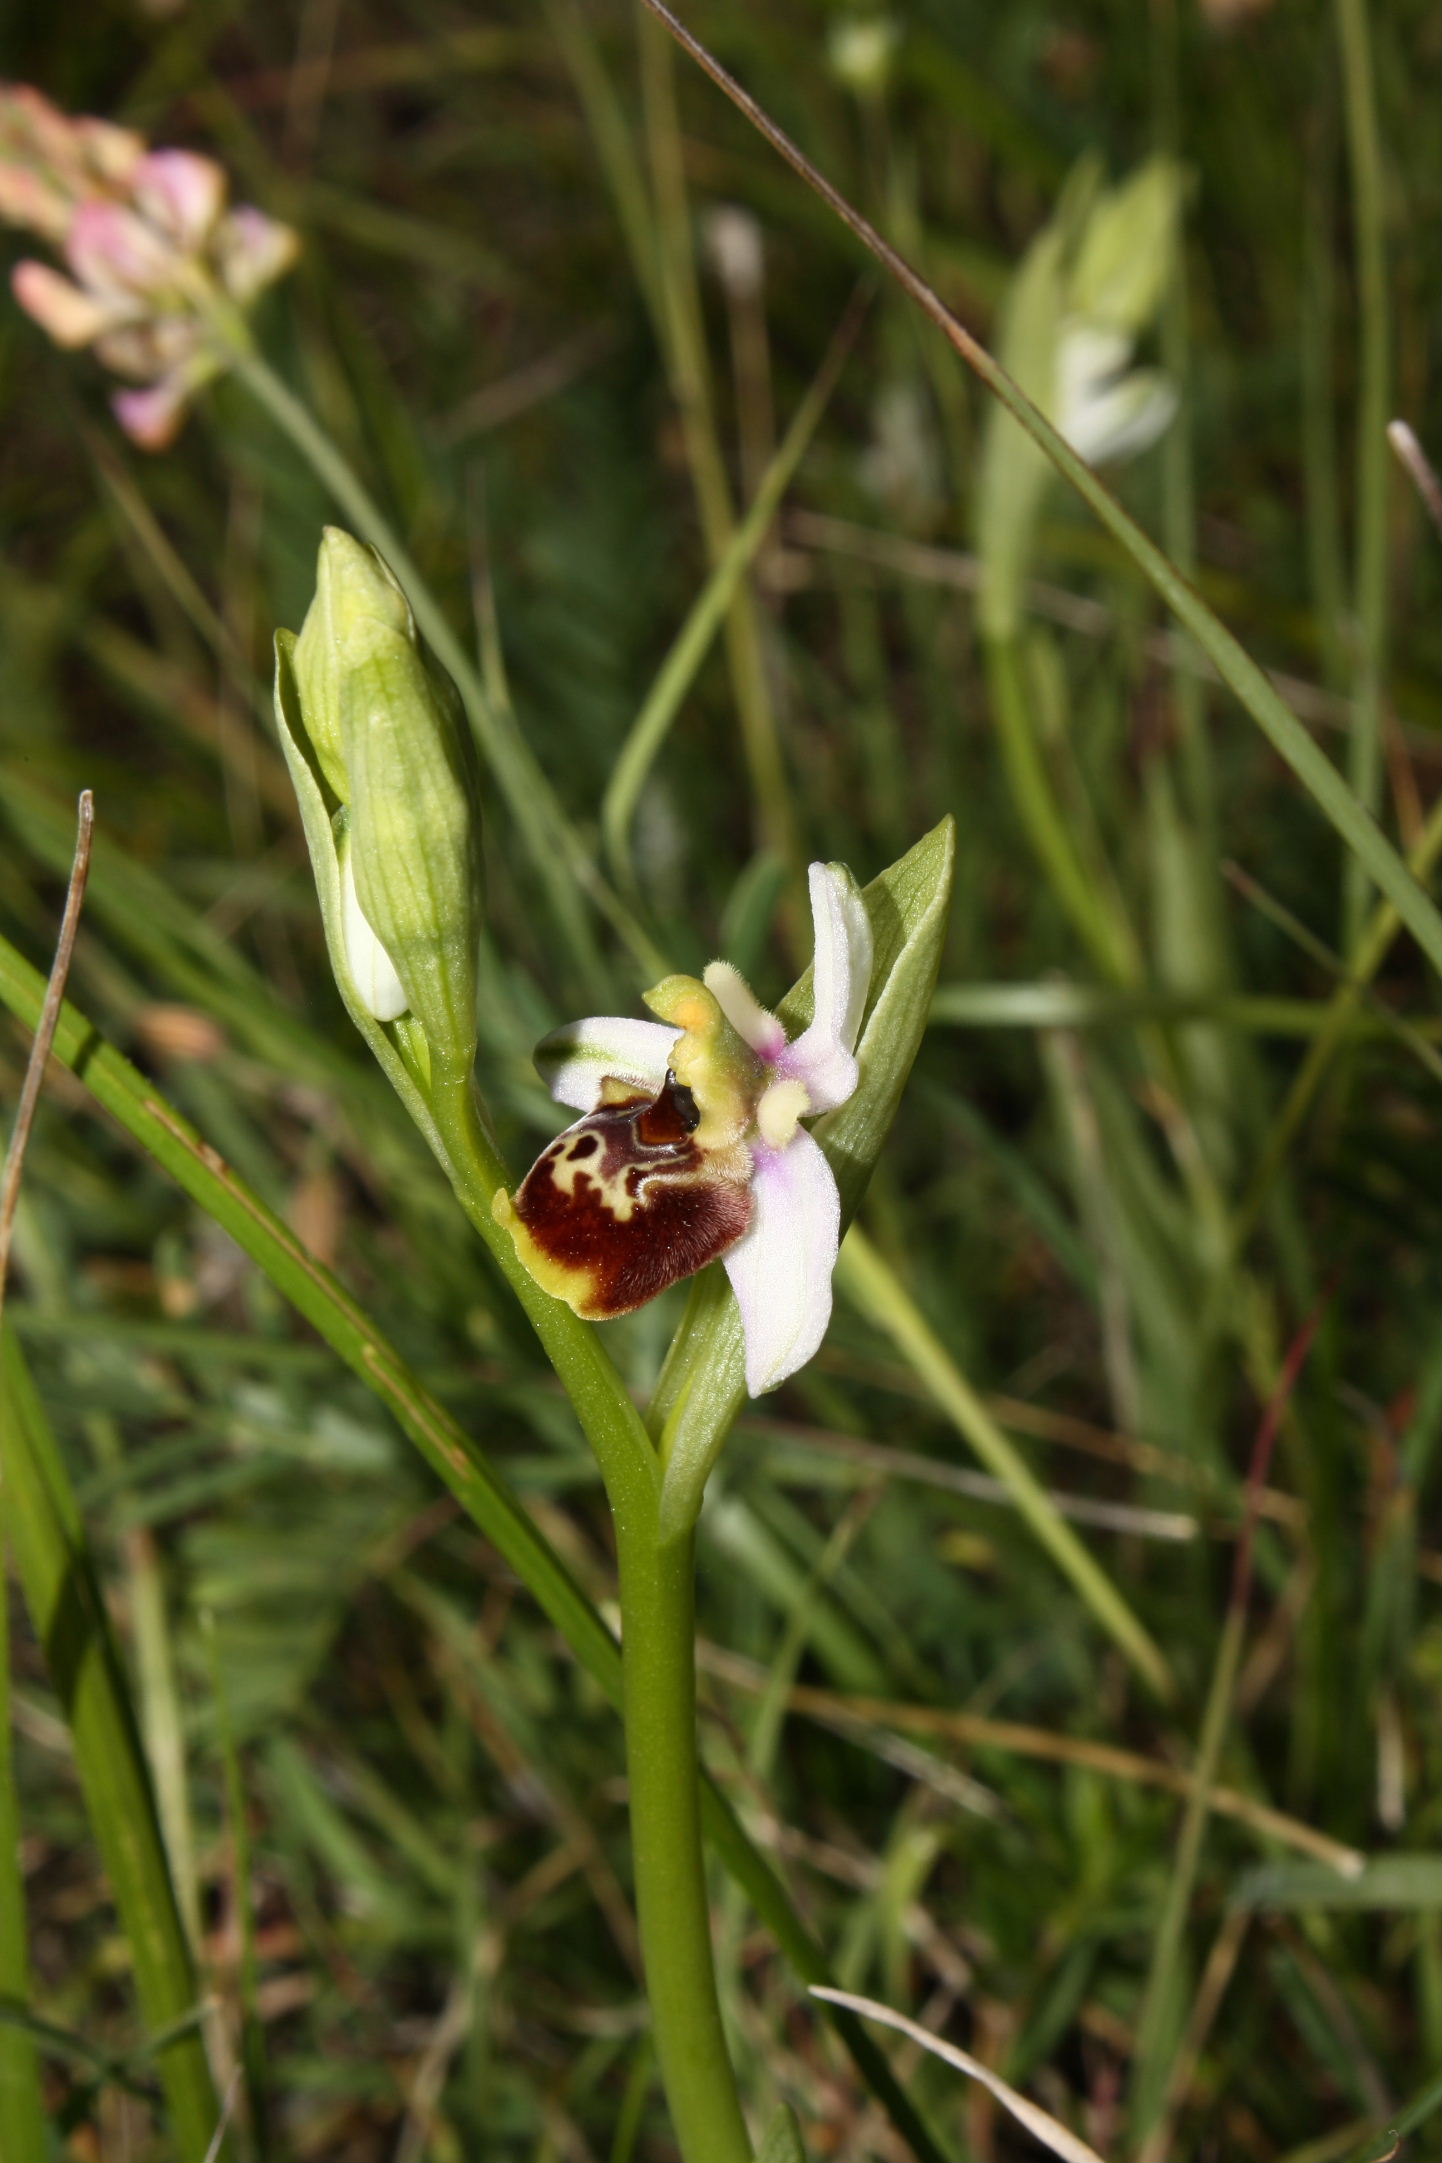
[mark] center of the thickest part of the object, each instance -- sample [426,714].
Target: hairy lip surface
[624,1203]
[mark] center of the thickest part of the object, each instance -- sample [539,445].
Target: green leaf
[69,1618]
[782,2140]
[703,1383]
[1408,1882]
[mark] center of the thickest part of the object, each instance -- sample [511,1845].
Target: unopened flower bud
[733,240]
[355,592]
[388,737]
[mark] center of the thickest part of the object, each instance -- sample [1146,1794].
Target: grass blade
[22,2108]
[875,1290]
[1374,411]
[69,1617]
[693,640]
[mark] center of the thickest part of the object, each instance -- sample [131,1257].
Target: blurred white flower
[1104,411]
[734,244]
[1086,291]
[902,463]
[860,49]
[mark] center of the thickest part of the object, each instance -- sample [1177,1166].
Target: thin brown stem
[45,1033]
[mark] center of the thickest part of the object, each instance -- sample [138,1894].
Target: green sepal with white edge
[703,1382]
[399,1046]
[387,736]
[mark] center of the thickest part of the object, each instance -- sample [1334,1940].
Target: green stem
[683,337]
[1156,2032]
[658,1660]
[659,1677]
[1373,397]
[1047,828]
[602,1404]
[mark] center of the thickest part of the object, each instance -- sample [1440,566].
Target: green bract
[384,770]
[355,591]
[703,1382]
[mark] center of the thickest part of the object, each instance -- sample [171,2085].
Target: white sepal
[781,1271]
[574,1061]
[373,973]
[821,1056]
[1104,411]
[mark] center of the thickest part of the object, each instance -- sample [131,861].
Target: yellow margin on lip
[575,1286]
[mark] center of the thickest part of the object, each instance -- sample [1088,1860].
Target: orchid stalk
[693,1147]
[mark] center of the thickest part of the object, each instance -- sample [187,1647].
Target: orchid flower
[1106,409]
[692,1148]
[1084,296]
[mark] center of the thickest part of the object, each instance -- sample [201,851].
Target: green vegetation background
[394,1808]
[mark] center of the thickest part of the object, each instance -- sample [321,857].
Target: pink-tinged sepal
[181,193]
[153,417]
[32,200]
[69,316]
[116,254]
[252,251]
[822,1056]
[625,1203]
[111,153]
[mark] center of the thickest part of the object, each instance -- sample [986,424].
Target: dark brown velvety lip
[685,1207]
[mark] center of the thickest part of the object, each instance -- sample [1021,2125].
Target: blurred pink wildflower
[159,267]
